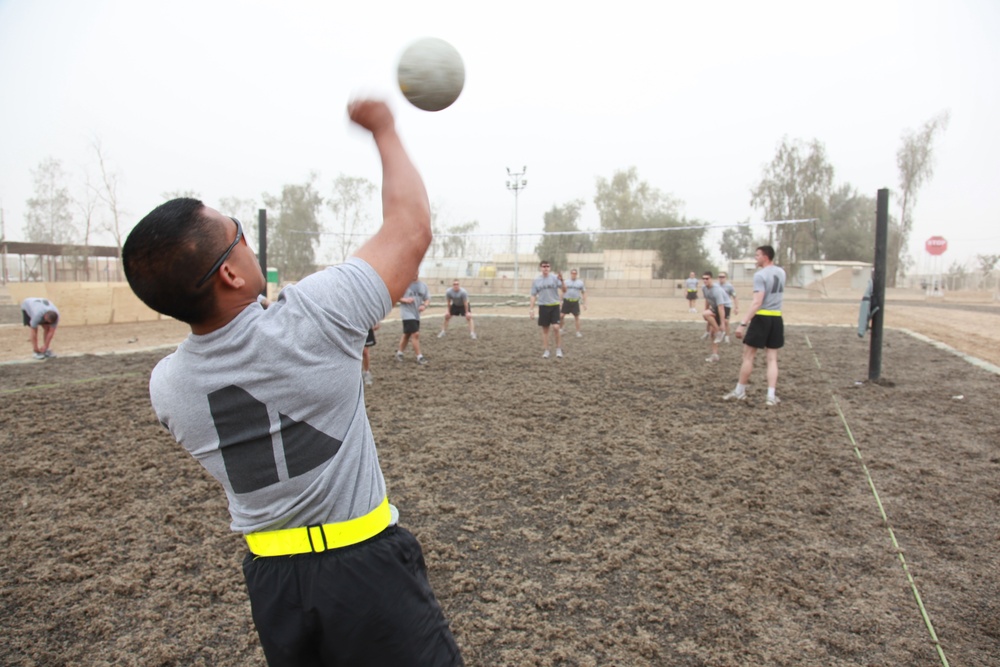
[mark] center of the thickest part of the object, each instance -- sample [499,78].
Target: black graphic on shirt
[245,441]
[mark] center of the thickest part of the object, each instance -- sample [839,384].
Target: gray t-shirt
[691,284]
[716,296]
[771,281]
[272,404]
[574,290]
[36,309]
[418,292]
[458,297]
[728,289]
[546,290]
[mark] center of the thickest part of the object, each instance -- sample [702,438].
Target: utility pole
[516,183]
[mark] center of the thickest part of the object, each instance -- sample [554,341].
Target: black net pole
[262,244]
[878,284]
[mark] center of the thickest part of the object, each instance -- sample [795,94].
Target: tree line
[798,183]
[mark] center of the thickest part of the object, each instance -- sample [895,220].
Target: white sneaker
[39,355]
[545,354]
[712,358]
[579,335]
[704,336]
[421,360]
[771,401]
[472,335]
[399,355]
[727,340]
[733,396]
[558,353]
[719,336]
[49,354]
[442,333]
[367,377]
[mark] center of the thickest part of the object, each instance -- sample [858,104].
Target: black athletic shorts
[729,311]
[571,307]
[367,604]
[692,296]
[548,315]
[411,326]
[459,311]
[370,342]
[765,331]
[715,312]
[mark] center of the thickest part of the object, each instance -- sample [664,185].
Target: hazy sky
[230,98]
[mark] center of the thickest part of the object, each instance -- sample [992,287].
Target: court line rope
[881,509]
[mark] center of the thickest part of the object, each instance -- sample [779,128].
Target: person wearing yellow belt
[762,327]
[271,403]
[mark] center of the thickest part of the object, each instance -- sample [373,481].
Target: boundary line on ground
[885,518]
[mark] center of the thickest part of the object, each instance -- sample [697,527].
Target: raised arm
[396,249]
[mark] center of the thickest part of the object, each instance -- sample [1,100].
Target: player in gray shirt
[574,296]
[766,327]
[731,291]
[717,305]
[411,304]
[545,291]
[691,291]
[271,403]
[42,313]
[457,306]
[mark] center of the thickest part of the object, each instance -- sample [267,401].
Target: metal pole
[516,183]
[262,244]
[878,284]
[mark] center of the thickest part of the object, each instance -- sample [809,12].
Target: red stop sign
[936,245]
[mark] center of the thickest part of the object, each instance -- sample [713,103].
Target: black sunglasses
[229,250]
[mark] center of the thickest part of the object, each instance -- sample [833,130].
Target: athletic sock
[741,388]
[770,392]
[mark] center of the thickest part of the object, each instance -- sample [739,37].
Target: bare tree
[915,160]
[107,192]
[349,203]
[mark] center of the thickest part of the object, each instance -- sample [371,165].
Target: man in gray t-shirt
[574,296]
[412,303]
[766,327]
[545,291]
[691,291]
[457,306]
[717,305]
[40,313]
[271,402]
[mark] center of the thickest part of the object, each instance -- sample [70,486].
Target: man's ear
[230,277]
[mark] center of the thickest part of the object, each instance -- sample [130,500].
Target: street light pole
[516,183]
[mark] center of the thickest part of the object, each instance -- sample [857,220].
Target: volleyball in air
[431,74]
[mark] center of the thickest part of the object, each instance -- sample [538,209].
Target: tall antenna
[516,183]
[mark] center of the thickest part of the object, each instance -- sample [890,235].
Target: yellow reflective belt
[771,313]
[319,538]
[572,300]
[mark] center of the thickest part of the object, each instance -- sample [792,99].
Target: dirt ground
[603,509]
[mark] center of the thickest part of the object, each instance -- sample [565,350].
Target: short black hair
[706,273]
[166,252]
[767,250]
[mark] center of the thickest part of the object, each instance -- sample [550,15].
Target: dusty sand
[603,509]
